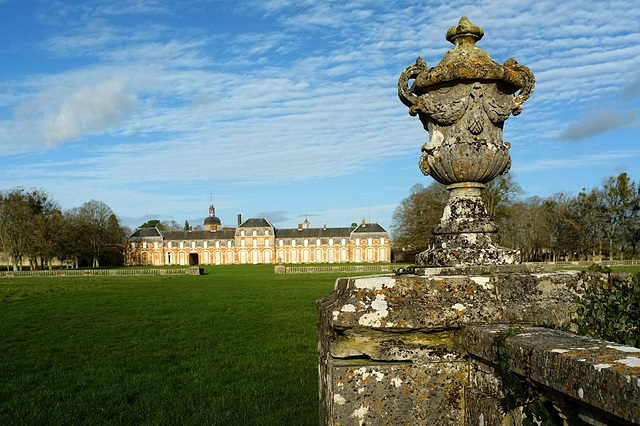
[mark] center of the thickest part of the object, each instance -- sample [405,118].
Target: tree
[415,217]
[153,223]
[499,195]
[94,219]
[171,226]
[20,216]
[618,196]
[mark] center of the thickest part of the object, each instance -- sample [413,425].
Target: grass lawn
[236,346]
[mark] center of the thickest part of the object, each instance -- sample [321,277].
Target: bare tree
[20,216]
[94,219]
[415,217]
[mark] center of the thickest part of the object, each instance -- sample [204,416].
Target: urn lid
[465,62]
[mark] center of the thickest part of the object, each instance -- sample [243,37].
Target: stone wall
[398,349]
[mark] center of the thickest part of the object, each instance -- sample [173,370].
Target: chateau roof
[220,234]
[369,228]
[313,232]
[256,223]
[212,220]
[147,233]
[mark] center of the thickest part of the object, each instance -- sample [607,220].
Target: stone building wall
[256,241]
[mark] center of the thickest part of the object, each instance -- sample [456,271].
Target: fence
[102,272]
[281,269]
[584,263]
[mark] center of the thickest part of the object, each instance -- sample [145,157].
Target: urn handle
[405,92]
[527,83]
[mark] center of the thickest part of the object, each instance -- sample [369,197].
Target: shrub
[610,307]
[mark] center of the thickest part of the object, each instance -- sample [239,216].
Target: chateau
[256,241]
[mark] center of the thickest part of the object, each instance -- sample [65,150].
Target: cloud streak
[597,122]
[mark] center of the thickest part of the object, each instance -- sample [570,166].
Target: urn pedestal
[463,103]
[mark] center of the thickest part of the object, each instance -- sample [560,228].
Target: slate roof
[146,233]
[221,234]
[369,228]
[313,232]
[212,220]
[256,223]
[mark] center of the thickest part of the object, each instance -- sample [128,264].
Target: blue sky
[289,108]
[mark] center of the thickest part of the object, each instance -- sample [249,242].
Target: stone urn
[463,103]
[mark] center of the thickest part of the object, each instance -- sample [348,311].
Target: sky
[288,109]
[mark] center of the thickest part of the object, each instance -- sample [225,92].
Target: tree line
[34,228]
[598,223]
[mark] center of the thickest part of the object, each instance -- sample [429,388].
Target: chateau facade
[257,241]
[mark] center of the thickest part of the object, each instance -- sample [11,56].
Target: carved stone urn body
[463,103]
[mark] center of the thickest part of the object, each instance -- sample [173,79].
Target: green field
[236,346]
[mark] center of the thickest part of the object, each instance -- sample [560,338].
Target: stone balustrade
[417,349]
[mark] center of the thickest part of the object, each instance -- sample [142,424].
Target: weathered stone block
[397,394]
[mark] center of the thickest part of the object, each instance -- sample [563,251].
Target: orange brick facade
[256,241]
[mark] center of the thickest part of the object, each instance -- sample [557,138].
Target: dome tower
[212,223]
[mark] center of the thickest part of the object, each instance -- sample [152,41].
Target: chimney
[239,219]
[299,227]
[364,223]
[324,226]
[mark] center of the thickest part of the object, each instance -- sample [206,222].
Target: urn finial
[464,31]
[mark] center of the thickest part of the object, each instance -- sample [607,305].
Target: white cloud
[90,109]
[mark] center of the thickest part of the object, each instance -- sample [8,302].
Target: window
[266,232]
[217,244]
[255,232]
[370,241]
[357,241]
[382,240]
[318,241]
[170,244]
[343,241]
[155,245]
[331,241]
[281,243]
[242,244]
[266,243]
[255,243]
[229,245]
[133,245]
[293,243]
[193,244]
[144,245]
[205,244]
[242,233]
[306,242]
[181,244]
